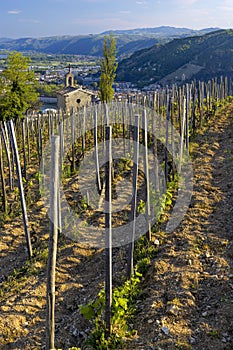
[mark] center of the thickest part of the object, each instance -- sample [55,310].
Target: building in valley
[72,97]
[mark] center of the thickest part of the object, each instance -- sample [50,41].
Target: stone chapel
[72,97]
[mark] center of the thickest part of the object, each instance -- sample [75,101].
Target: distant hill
[200,57]
[128,41]
[163,31]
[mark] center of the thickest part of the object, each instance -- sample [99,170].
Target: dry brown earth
[187,293]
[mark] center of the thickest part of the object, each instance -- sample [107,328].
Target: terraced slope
[187,293]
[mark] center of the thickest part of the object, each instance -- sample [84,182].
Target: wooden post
[166,138]
[123,112]
[155,152]
[201,101]
[106,114]
[134,198]
[72,143]
[182,134]
[156,103]
[54,186]
[230,87]
[20,186]
[210,94]
[130,132]
[59,218]
[187,116]
[37,132]
[96,152]
[28,140]
[108,227]
[179,117]
[52,123]
[146,173]
[24,151]
[61,134]
[172,129]
[194,100]
[7,148]
[4,197]
[226,87]
[40,137]
[84,132]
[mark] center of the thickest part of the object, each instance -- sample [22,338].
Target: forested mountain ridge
[199,57]
[128,41]
[162,31]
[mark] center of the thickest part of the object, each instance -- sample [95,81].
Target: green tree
[17,87]
[108,67]
[48,89]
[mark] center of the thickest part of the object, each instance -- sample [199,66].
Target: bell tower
[69,78]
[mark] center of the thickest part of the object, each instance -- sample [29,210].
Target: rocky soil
[187,293]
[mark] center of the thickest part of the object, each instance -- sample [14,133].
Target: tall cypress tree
[108,67]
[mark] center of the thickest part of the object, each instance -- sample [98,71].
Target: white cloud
[190,2]
[14,12]
[125,12]
[29,20]
[228,3]
[143,3]
[226,6]
[187,2]
[102,23]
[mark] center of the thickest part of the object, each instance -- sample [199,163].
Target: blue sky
[32,18]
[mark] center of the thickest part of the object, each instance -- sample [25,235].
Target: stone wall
[74,99]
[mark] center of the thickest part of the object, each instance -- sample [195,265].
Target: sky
[41,18]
